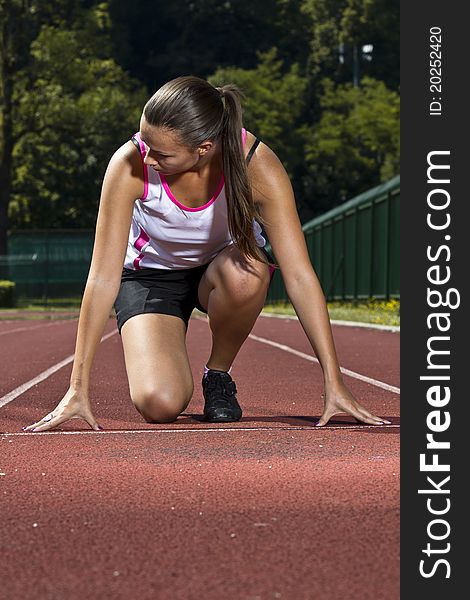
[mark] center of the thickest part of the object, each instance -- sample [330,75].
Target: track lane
[279,510]
[299,513]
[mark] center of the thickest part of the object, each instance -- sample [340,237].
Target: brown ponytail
[198,111]
[241,208]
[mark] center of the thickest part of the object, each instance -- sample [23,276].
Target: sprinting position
[179,227]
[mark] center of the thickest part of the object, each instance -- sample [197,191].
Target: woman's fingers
[90,419]
[358,412]
[362,419]
[365,414]
[48,422]
[326,416]
[74,405]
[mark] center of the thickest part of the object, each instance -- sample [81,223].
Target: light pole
[365,54]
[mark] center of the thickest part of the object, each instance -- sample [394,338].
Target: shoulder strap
[136,143]
[252,150]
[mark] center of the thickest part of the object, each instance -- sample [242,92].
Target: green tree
[79,109]
[20,22]
[15,35]
[355,144]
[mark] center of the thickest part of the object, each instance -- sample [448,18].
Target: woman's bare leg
[160,380]
[233,291]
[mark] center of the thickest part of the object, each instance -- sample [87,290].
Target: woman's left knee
[243,280]
[247,279]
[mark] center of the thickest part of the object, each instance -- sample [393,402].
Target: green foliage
[7,293]
[73,110]
[355,144]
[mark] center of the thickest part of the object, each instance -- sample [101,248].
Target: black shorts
[163,291]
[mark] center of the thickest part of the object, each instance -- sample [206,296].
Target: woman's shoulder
[249,139]
[128,154]
[266,169]
[125,168]
[128,160]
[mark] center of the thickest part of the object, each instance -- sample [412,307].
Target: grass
[35,308]
[53,304]
[379,312]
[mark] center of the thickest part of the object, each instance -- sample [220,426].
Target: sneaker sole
[220,420]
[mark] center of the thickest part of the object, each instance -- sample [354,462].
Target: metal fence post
[46,271]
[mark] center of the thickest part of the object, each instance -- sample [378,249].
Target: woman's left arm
[272,191]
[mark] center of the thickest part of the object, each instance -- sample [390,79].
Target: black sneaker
[221,405]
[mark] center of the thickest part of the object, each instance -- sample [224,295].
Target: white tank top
[165,234]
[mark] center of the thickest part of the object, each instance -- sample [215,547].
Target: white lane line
[376,382]
[395,328]
[33,328]
[200,430]
[44,375]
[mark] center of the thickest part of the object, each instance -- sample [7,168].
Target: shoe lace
[215,382]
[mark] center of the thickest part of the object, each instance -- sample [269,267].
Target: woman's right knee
[161,406]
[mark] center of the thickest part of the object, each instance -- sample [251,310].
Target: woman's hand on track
[74,405]
[338,399]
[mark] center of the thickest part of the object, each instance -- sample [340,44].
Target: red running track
[268,507]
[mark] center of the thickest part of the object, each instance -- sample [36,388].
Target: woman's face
[165,152]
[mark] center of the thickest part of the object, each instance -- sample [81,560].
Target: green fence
[48,263]
[354,248]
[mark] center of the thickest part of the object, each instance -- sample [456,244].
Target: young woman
[193,239]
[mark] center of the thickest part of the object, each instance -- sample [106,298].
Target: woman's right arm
[122,184]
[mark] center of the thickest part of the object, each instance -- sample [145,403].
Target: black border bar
[435,256]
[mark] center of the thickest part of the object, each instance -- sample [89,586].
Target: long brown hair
[197,111]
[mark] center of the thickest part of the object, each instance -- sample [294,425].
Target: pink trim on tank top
[175,201]
[143,153]
[139,243]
